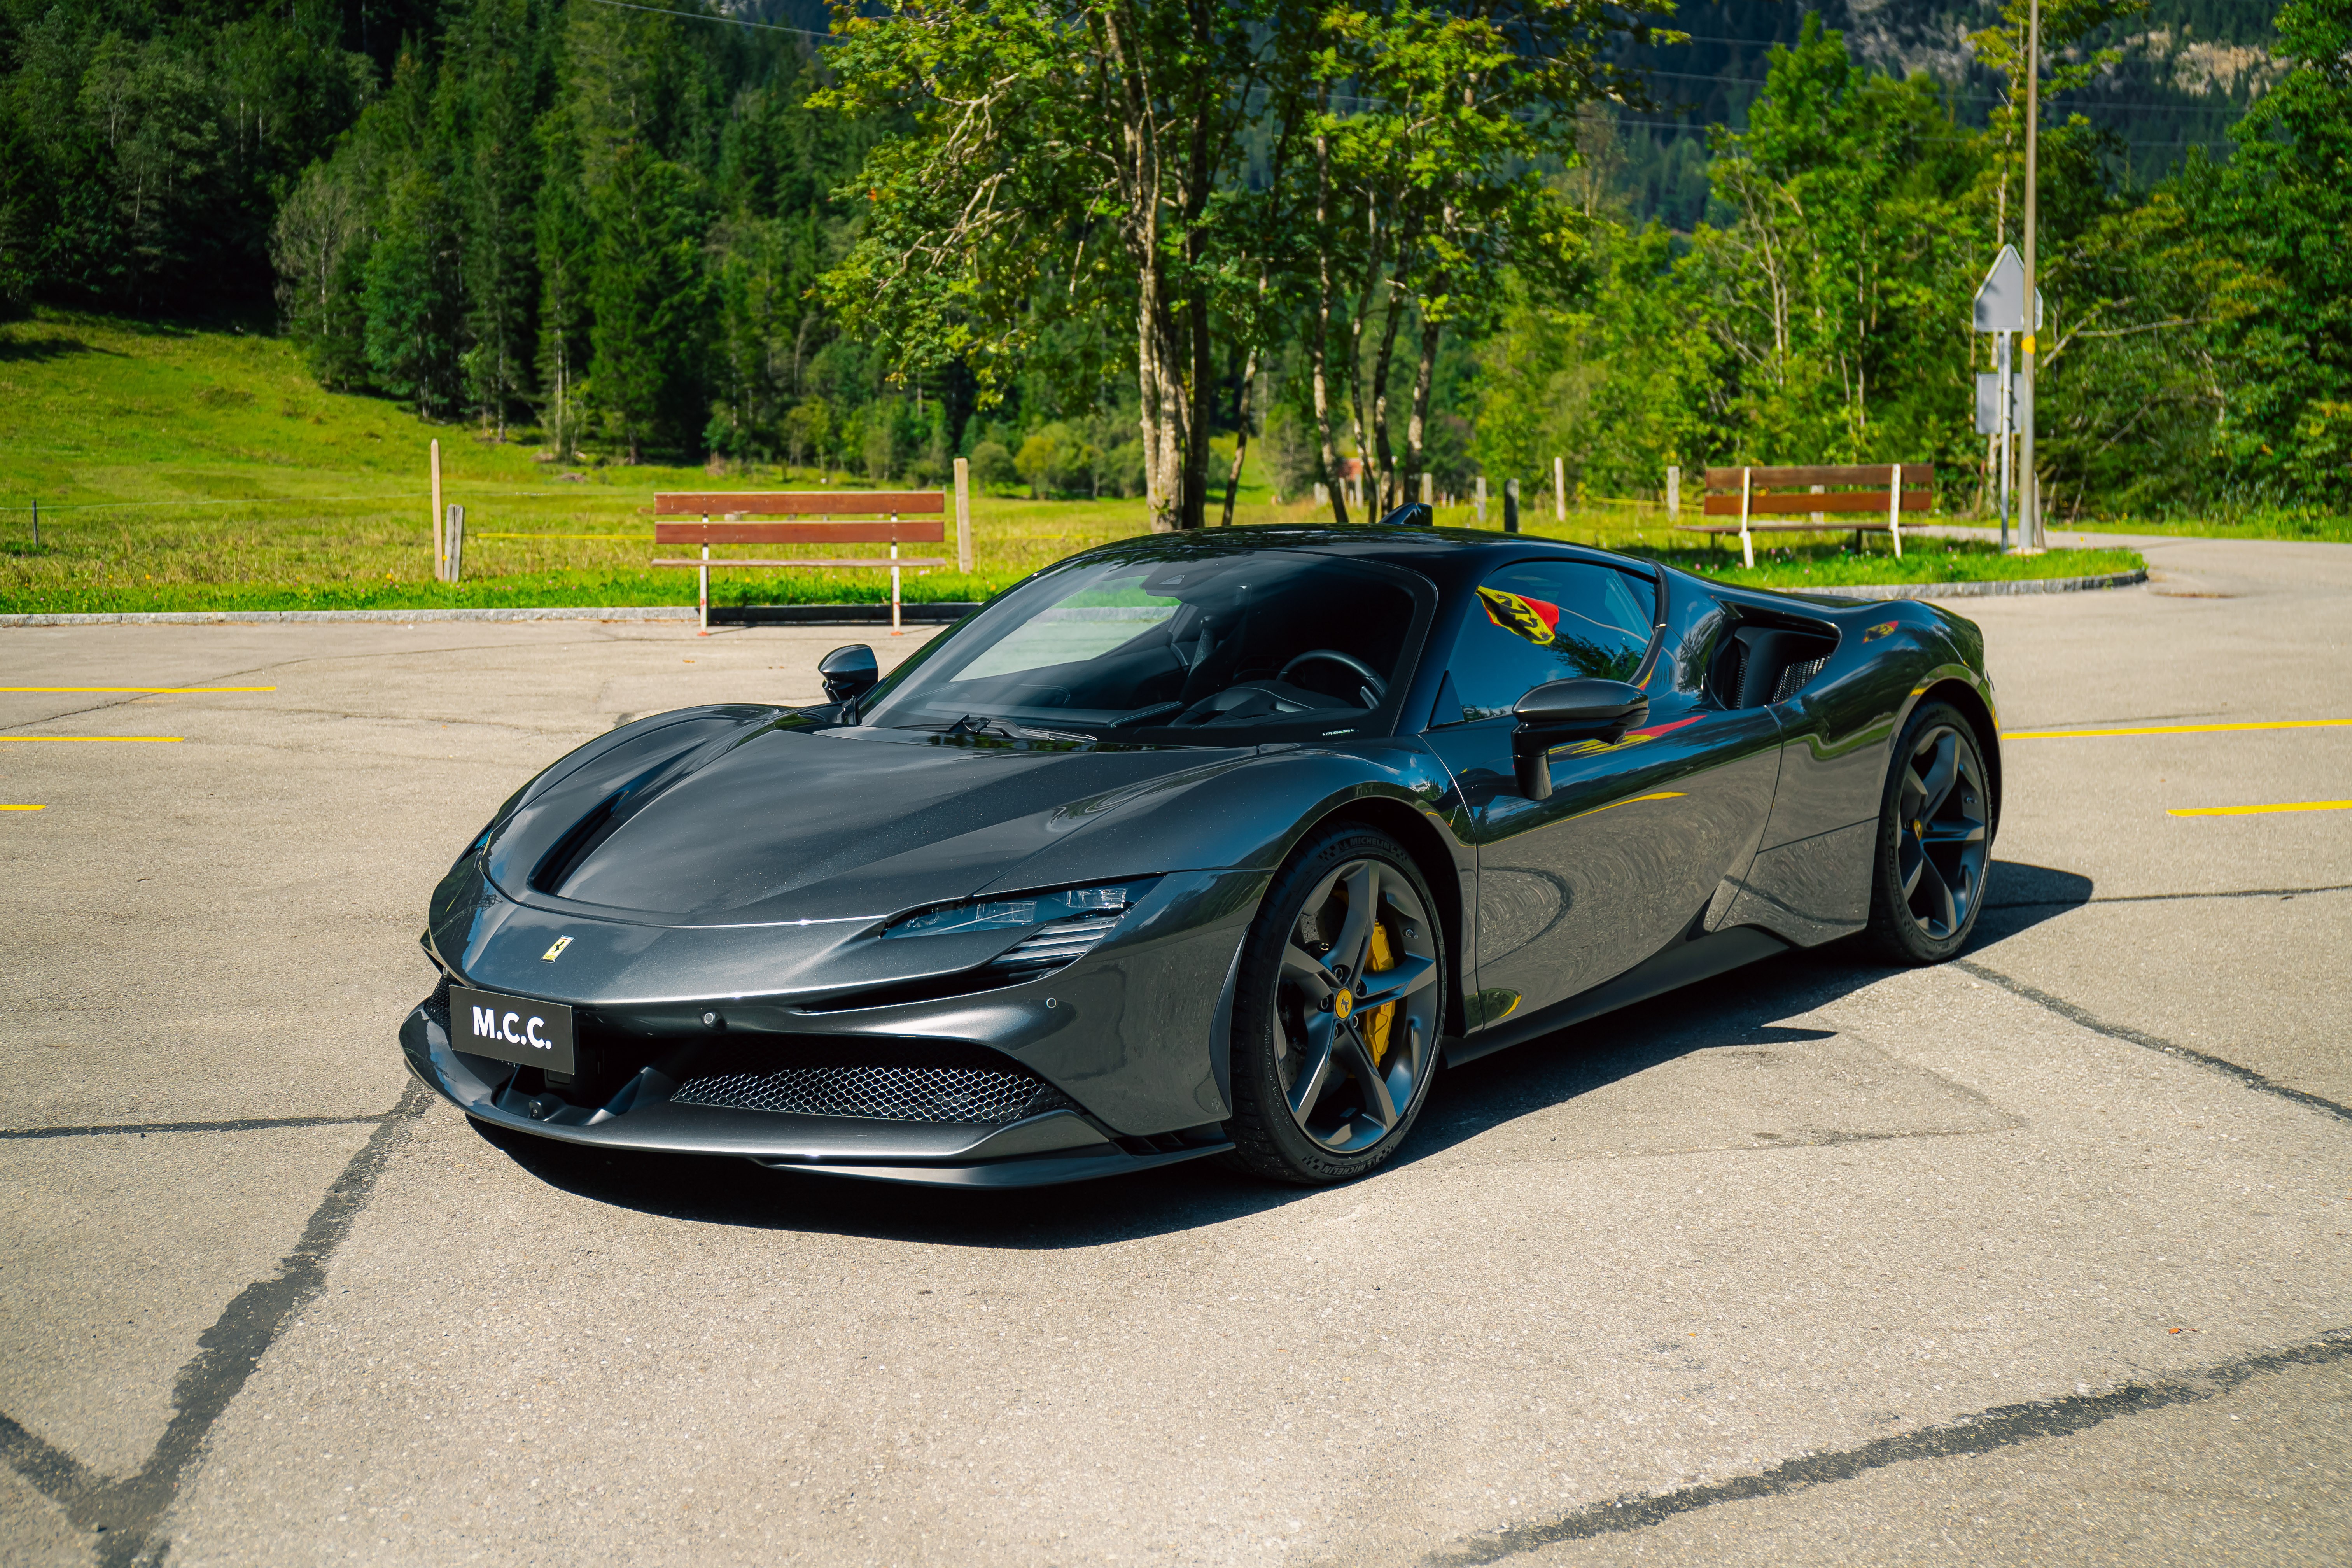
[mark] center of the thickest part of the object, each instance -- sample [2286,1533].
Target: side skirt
[1675,967]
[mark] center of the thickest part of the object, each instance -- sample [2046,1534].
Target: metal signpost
[2003,408]
[2029,518]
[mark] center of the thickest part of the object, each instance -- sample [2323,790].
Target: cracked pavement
[2042,1256]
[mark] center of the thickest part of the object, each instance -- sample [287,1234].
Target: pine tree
[646,288]
[413,304]
[565,242]
[499,78]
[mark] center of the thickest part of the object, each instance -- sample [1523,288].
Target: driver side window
[1545,620]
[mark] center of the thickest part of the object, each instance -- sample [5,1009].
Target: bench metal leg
[894,579]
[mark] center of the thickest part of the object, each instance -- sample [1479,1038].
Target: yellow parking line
[173,691]
[24,808]
[158,737]
[2174,729]
[2252,810]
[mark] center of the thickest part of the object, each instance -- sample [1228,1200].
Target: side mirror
[1584,710]
[849,673]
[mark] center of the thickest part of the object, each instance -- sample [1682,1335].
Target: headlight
[1093,906]
[1063,927]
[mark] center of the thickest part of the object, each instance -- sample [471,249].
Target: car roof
[1437,551]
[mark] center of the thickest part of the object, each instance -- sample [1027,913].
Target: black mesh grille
[1793,679]
[436,1007]
[881,1082]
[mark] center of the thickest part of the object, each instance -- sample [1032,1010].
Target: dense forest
[635,228]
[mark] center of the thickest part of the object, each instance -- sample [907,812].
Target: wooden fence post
[964,514]
[454,536]
[1510,506]
[1559,489]
[440,561]
[705,574]
[1482,500]
[1673,494]
[1429,490]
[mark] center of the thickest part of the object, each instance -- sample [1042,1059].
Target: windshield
[1198,647]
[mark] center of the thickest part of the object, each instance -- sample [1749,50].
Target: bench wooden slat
[1828,501]
[807,560]
[1922,475]
[912,532]
[801,503]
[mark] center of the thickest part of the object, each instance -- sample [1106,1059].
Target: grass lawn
[179,469]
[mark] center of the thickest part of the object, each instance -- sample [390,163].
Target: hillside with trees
[1078,244]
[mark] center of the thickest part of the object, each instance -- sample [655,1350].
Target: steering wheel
[1373,683]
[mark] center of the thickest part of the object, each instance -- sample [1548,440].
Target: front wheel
[1935,841]
[1342,995]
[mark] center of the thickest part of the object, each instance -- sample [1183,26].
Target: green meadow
[200,469]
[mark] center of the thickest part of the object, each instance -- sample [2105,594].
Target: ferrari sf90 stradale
[1218,842]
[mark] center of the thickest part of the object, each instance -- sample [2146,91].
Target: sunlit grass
[180,469]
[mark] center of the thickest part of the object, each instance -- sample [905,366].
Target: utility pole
[2030,483]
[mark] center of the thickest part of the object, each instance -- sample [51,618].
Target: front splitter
[1045,1151]
[1025,1170]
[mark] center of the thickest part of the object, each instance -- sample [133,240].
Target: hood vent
[571,852]
[555,867]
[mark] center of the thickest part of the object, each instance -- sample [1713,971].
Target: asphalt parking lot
[2039,1256]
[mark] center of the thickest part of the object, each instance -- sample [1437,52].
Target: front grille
[880,1081]
[1794,678]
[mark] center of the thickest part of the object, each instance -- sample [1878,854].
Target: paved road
[2041,1255]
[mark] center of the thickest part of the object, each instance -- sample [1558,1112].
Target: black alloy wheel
[1341,1001]
[1935,841]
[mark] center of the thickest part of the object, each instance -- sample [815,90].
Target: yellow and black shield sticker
[1534,619]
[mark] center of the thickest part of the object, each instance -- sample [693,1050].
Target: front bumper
[639,1111]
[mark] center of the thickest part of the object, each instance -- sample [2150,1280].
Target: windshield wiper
[982,724]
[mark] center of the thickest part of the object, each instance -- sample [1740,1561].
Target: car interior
[1217,644]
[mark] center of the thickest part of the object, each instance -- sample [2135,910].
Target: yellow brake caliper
[1375,1027]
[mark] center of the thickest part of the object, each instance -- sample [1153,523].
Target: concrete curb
[731,614]
[1872,593]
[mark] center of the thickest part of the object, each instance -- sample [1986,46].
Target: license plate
[511,1028]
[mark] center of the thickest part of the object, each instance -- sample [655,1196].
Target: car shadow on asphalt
[1731,1010]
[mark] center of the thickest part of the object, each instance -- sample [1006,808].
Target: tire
[1935,841]
[1326,1090]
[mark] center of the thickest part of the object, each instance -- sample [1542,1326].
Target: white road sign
[2000,297]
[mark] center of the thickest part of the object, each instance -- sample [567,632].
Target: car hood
[771,823]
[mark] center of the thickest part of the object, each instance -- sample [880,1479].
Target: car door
[1638,837]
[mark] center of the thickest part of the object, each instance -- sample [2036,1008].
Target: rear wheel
[1935,841]
[1342,992]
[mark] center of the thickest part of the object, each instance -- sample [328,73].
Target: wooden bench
[824,507]
[1744,493]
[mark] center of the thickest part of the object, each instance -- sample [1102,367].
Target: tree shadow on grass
[1730,1010]
[36,351]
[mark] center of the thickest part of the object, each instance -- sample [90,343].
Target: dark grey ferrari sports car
[1214,843]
